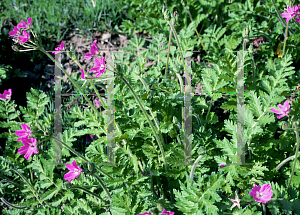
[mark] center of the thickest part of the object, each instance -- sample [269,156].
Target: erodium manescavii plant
[151,174]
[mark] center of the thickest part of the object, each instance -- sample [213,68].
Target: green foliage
[223,28]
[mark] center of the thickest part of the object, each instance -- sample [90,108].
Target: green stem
[71,79]
[146,115]
[279,16]
[102,185]
[188,11]
[296,156]
[286,36]
[168,54]
[175,34]
[208,111]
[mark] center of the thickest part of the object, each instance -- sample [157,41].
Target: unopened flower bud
[15,48]
[284,126]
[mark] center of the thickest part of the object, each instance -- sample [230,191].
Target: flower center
[101,67]
[259,195]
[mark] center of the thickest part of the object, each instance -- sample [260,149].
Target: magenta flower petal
[222,165]
[87,56]
[97,103]
[283,110]
[94,49]
[58,49]
[24,38]
[82,74]
[14,32]
[29,148]
[100,66]
[74,171]
[6,94]
[25,24]
[262,193]
[291,13]
[24,133]
[146,213]
[167,212]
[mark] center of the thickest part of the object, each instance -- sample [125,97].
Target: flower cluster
[30,145]
[100,63]
[6,94]
[257,41]
[291,13]
[16,33]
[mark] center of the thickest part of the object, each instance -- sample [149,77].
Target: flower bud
[284,126]
[15,48]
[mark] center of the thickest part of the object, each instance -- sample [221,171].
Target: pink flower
[146,213]
[291,13]
[74,171]
[94,51]
[58,49]
[6,94]
[97,103]
[167,212]
[82,74]
[24,133]
[283,110]
[25,24]
[100,66]
[92,136]
[262,193]
[222,165]
[161,44]
[29,148]
[15,32]
[24,38]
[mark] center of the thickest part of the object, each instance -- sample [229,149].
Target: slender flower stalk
[188,11]
[286,31]
[168,54]
[296,156]
[149,121]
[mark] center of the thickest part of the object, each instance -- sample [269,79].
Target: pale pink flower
[94,51]
[24,133]
[6,94]
[291,13]
[262,193]
[58,49]
[15,32]
[25,24]
[161,44]
[283,110]
[74,171]
[100,66]
[24,38]
[29,148]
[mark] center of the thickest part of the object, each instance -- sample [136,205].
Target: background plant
[273,78]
